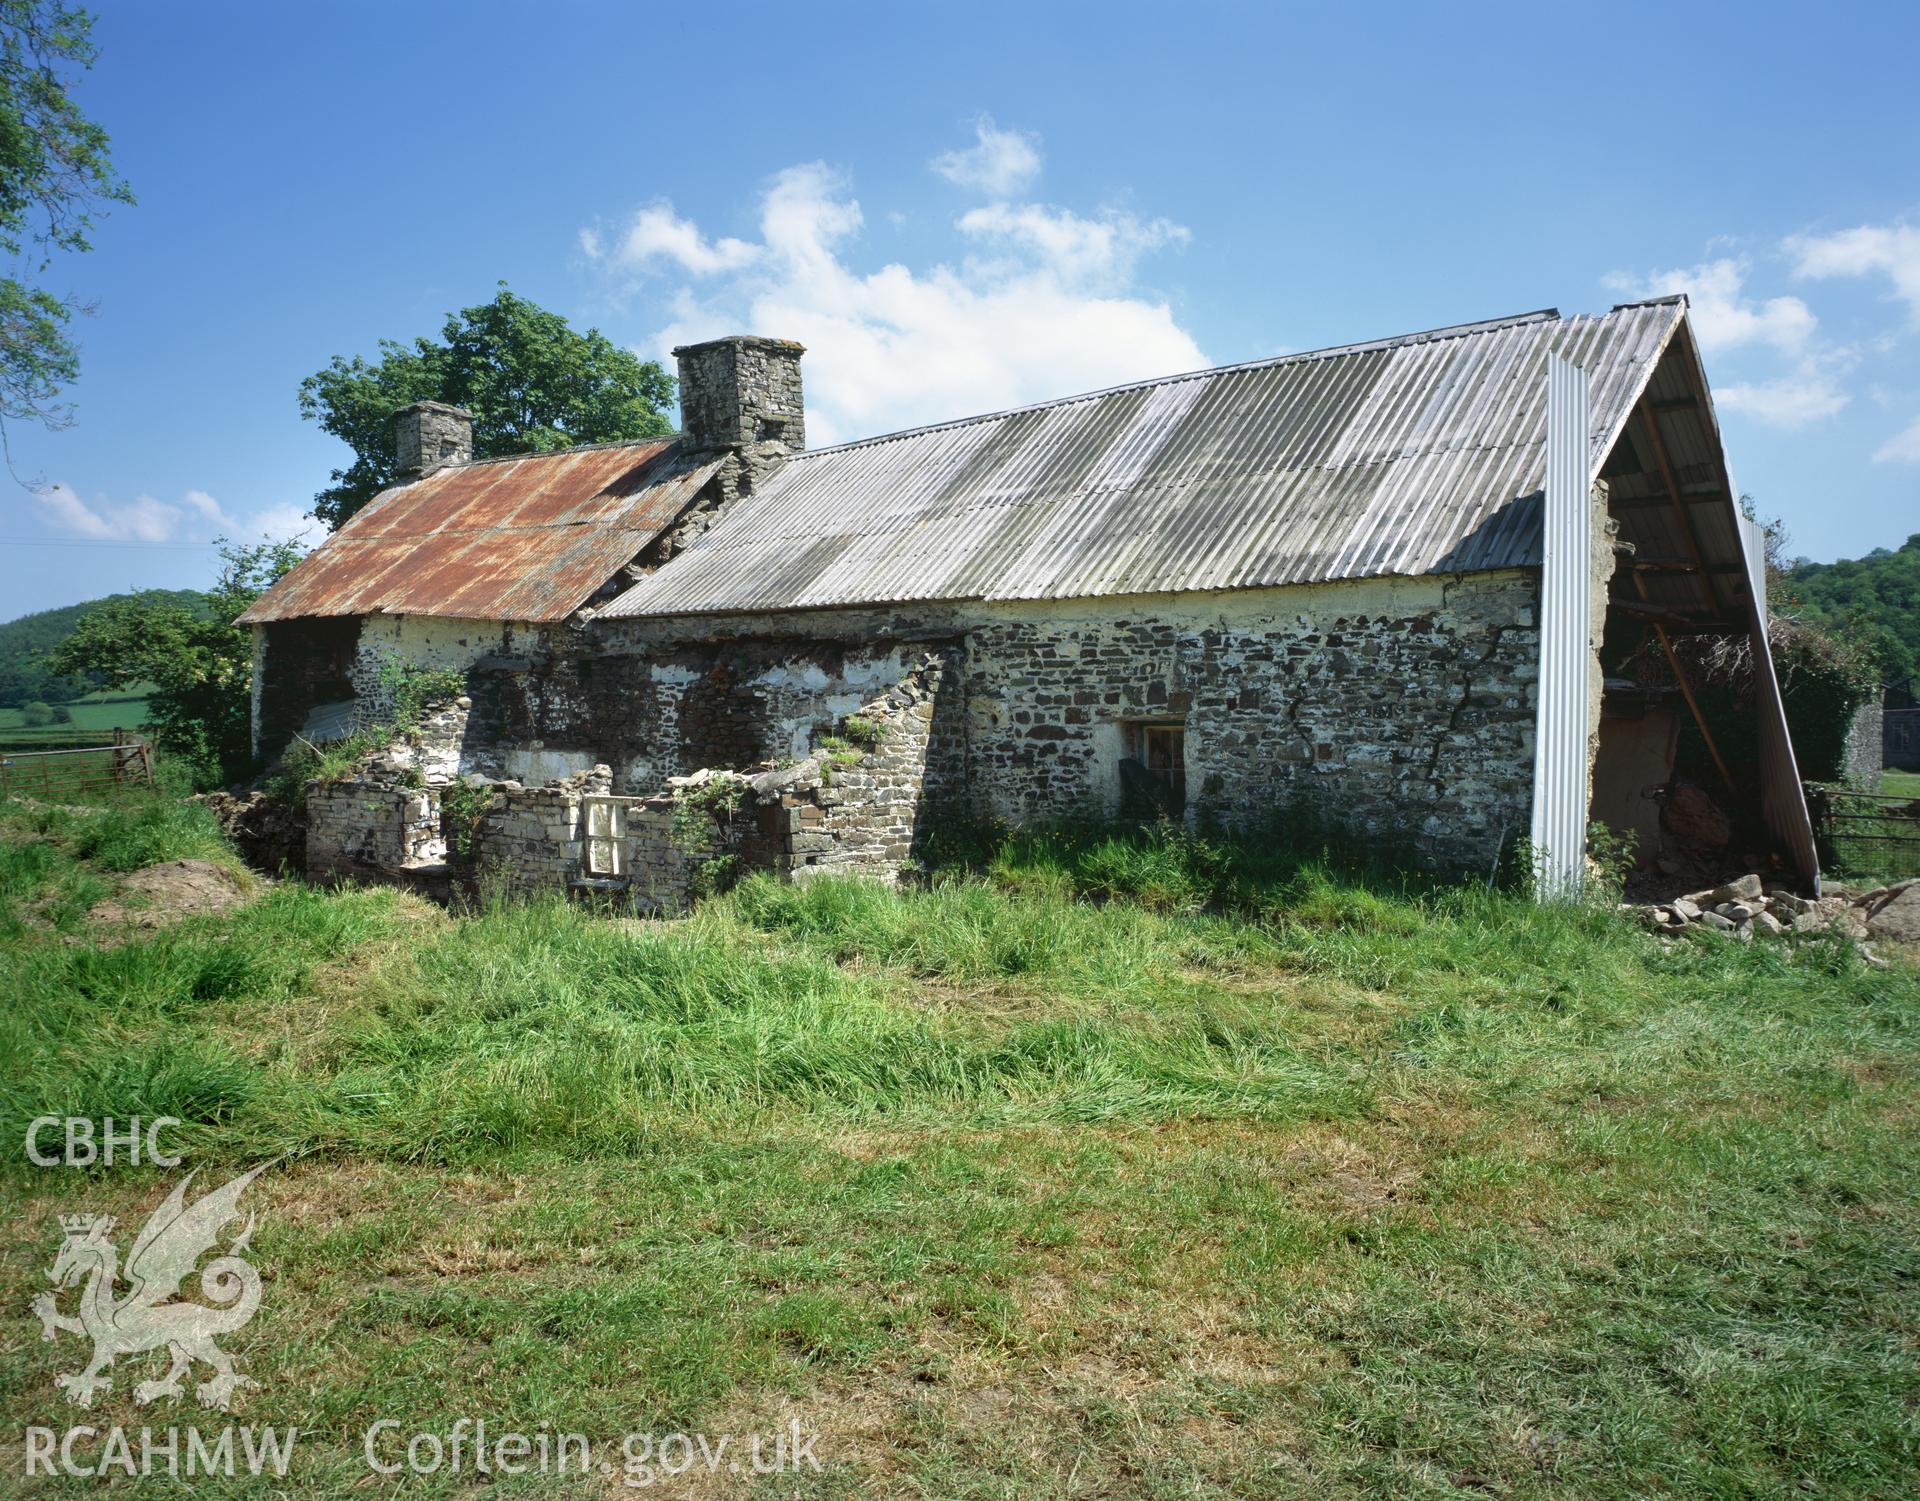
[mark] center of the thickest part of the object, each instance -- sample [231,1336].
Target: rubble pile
[1746,909]
[270,834]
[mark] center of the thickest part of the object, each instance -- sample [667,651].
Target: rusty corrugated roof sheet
[528,538]
[1404,456]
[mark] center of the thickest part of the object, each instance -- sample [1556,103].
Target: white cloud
[656,233]
[143,519]
[1902,448]
[205,505]
[1052,311]
[1000,163]
[198,517]
[1723,316]
[1791,401]
[1889,249]
[1079,249]
[287,522]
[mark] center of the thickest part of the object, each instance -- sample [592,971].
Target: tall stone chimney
[429,435]
[741,395]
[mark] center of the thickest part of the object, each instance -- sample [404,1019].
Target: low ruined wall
[535,839]
[364,830]
[668,862]
[529,837]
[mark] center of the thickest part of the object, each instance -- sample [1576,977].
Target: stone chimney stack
[429,435]
[742,395]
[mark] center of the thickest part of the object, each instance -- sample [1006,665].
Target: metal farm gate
[1867,832]
[76,771]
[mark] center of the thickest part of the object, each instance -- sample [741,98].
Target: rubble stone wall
[1401,709]
[366,830]
[529,837]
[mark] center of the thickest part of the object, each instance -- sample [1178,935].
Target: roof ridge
[554,453]
[1331,351]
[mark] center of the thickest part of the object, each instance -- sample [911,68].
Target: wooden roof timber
[1651,420]
[1663,498]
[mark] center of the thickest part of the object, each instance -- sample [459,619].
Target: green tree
[199,661]
[533,384]
[55,176]
[1878,597]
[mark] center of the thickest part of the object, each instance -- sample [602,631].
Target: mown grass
[1112,1166]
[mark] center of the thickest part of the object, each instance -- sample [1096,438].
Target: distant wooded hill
[25,641]
[1880,592]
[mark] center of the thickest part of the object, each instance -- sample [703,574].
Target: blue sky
[957,208]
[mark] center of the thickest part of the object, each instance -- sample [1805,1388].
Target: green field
[94,720]
[1114,1168]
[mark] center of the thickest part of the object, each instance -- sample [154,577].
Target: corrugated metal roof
[527,538]
[1403,456]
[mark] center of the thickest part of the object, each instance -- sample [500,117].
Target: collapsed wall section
[858,807]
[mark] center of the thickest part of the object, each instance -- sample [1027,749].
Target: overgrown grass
[1109,1166]
[57,861]
[304,762]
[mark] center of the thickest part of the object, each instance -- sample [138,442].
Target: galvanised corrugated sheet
[1559,825]
[528,538]
[1783,800]
[1406,456]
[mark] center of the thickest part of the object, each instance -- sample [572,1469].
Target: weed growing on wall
[461,808]
[696,809]
[862,731]
[306,762]
[410,689]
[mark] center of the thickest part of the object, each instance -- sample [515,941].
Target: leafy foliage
[411,689]
[533,384]
[462,806]
[25,644]
[1878,596]
[199,661]
[55,175]
[1825,676]
[698,807]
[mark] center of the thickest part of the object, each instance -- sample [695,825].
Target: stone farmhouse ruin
[1399,586]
